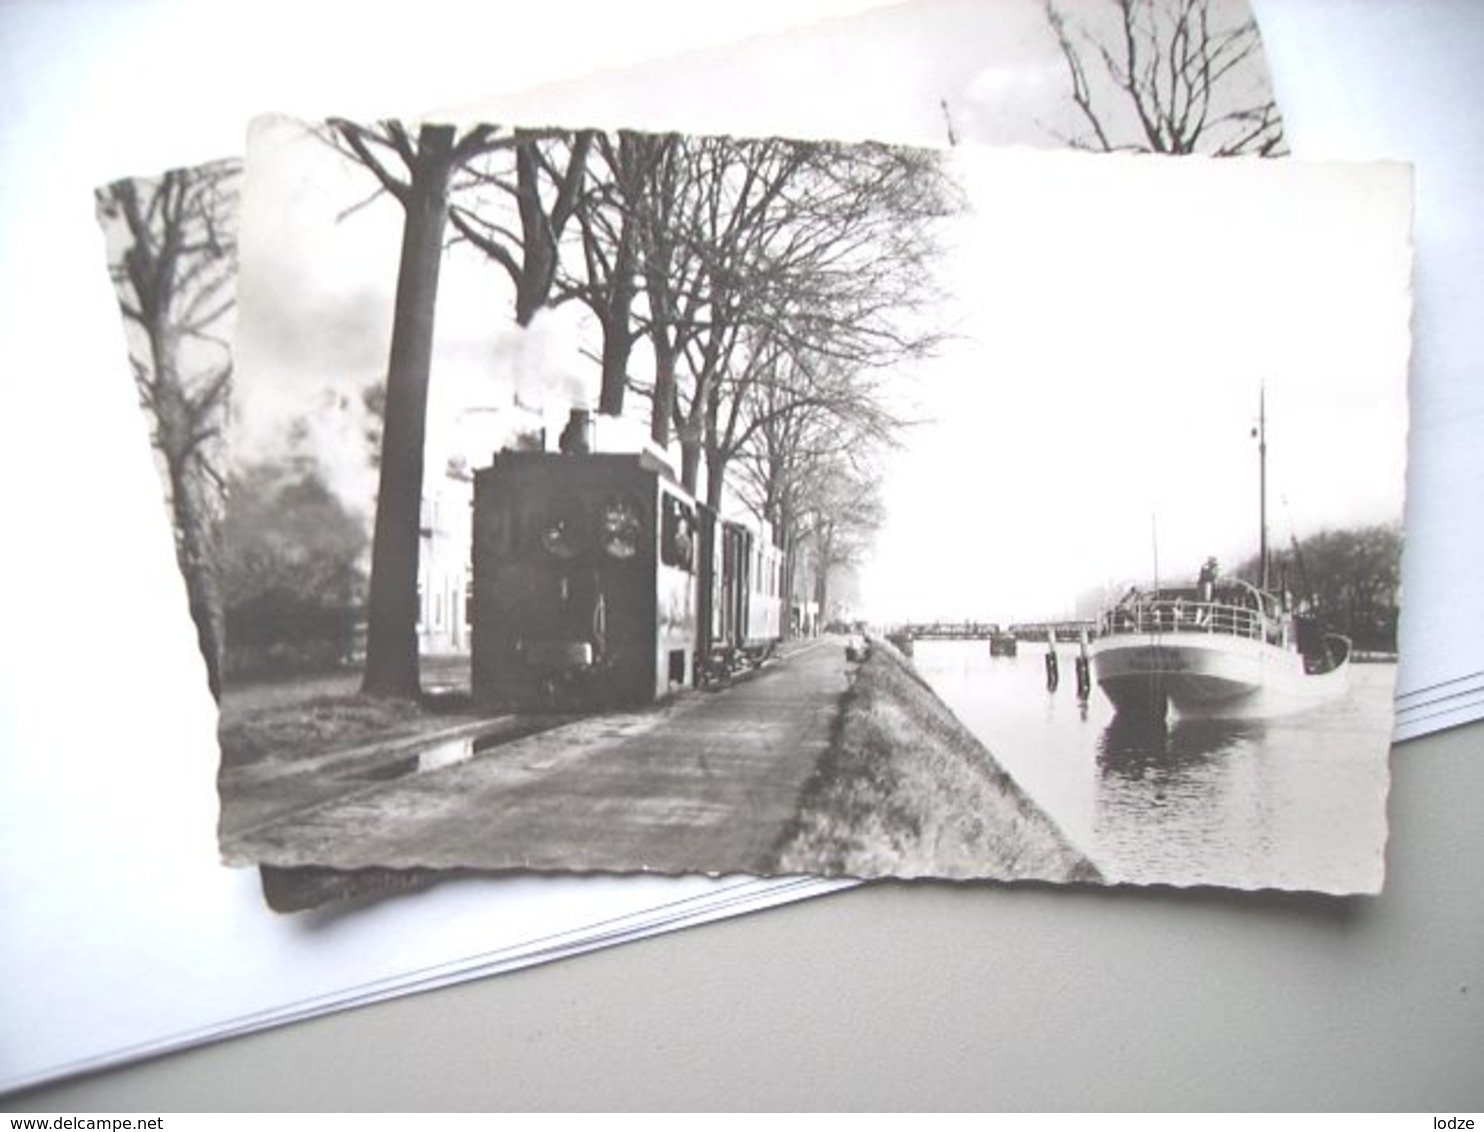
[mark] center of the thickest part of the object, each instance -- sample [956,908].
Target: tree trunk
[617,348]
[664,349]
[617,340]
[716,459]
[786,584]
[391,638]
[193,516]
[198,550]
[822,578]
[692,429]
[716,464]
[715,480]
[539,253]
[690,459]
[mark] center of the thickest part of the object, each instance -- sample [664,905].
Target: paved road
[706,783]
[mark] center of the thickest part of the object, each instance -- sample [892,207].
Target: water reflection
[1178,798]
[1133,747]
[437,755]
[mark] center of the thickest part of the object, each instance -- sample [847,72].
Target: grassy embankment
[907,791]
[297,718]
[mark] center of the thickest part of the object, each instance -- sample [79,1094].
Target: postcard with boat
[732,602]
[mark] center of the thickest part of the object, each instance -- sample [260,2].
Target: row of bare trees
[759,294]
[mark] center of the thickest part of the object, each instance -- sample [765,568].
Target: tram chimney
[577,436]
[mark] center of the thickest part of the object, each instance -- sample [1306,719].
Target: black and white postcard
[687,503]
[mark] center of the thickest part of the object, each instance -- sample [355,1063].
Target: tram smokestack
[577,436]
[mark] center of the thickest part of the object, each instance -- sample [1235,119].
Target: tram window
[677,533]
[562,527]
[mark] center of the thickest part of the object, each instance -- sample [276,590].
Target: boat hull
[1208,676]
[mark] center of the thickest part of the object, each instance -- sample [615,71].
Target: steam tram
[598,582]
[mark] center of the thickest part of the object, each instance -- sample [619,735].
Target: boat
[1218,647]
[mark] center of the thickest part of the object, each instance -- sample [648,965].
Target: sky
[316,286]
[1116,319]
[1121,317]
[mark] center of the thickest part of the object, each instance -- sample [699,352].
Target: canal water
[1294,803]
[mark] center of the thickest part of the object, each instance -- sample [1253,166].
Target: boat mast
[1262,487]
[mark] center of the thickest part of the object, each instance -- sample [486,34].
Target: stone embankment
[906,790]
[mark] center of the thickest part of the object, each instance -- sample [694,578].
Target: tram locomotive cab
[599,583]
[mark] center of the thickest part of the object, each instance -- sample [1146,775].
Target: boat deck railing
[1181,616]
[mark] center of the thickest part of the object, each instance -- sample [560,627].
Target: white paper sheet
[1364,79]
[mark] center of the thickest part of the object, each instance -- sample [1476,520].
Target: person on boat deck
[1208,580]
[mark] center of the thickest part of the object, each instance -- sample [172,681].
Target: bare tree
[417,170]
[841,300]
[519,217]
[663,209]
[798,266]
[737,190]
[840,511]
[544,167]
[173,258]
[795,461]
[1168,76]
[611,219]
[756,251]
